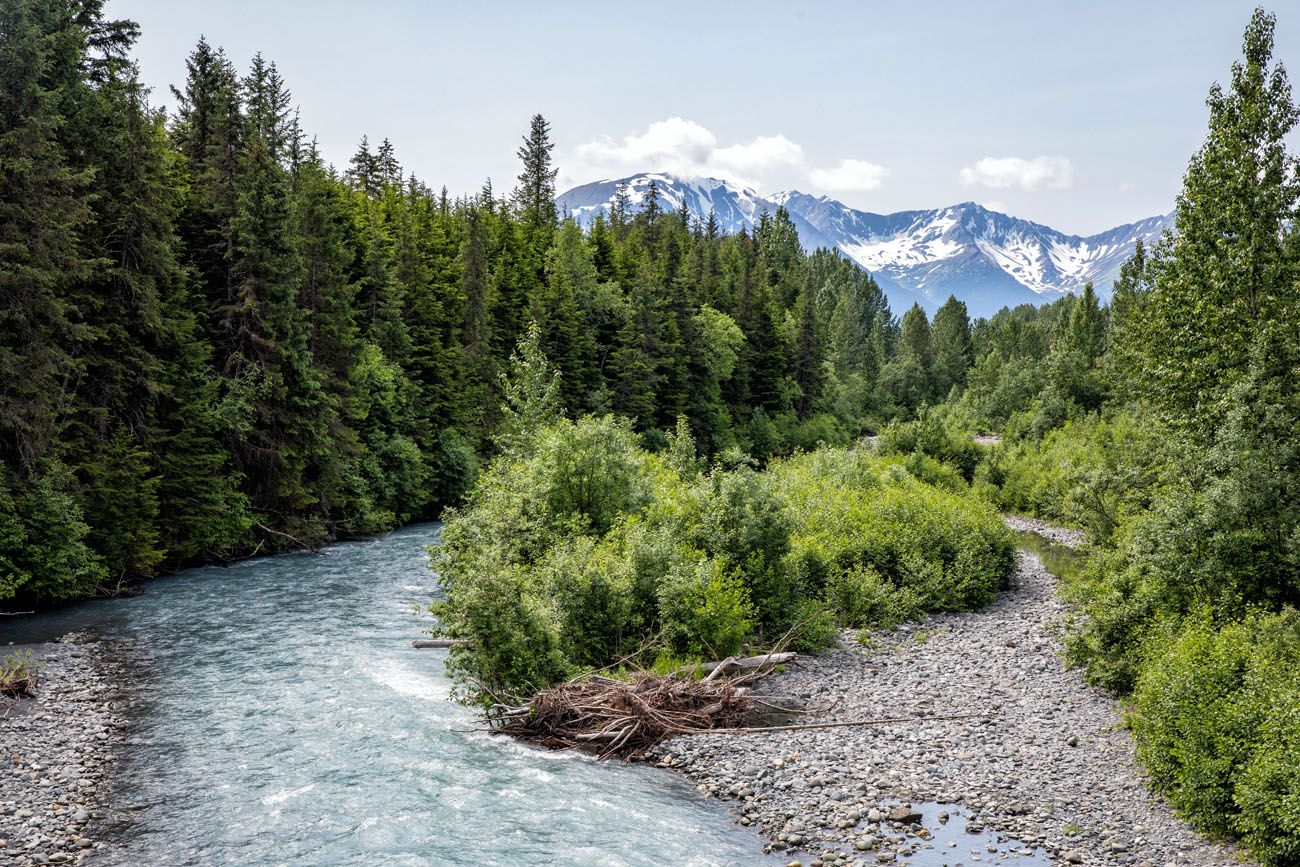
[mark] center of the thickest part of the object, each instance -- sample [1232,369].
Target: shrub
[860,597]
[929,436]
[1091,473]
[814,627]
[591,587]
[1215,723]
[952,552]
[705,609]
[577,546]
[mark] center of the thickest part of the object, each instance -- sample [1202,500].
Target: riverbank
[57,754]
[1042,759]
[1059,535]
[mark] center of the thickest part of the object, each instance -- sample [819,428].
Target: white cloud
[673,145]
[849,176]
[764,152]
[683,147]
[1001,173]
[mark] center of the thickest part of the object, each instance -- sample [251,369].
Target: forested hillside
[214,345]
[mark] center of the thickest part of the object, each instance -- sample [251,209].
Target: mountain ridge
[986,258]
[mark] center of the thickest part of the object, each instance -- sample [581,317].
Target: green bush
[850,510]
[928,435]
[1215,722]
[814,627]
[1091,473]
[705,610]
[860,597]
[577,546]
[591,587]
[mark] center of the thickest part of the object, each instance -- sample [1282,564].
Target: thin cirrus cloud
[685,148]
[1030,175]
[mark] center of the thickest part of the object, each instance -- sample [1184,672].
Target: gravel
[1050,532]
[56,755]
[1043,760]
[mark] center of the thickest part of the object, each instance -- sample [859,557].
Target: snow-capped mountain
[734,207]
[985,258]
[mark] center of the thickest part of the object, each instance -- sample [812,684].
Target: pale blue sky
[1079,115]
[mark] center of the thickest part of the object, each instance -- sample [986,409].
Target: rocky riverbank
[1037,765]
[56,755]
[1060,535]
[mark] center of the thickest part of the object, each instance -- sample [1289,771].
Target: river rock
[996,731]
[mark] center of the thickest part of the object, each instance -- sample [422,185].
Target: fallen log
[745,730]
[426,643]
[749,663]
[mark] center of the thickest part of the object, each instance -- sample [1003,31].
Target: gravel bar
[1060,535]
[1044,763]
[57,754]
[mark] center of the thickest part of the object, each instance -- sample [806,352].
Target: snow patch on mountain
[985,258]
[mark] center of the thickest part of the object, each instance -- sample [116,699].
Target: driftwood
[747,663]
[425,643]
[626,717]
[833,724]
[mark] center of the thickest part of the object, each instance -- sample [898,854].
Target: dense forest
[215,345]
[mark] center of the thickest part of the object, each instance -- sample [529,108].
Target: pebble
[58,751]
[1050,532]
[1039,752]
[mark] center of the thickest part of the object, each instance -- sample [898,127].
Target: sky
[1081,116]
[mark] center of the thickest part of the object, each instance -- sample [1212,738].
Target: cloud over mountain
[684,148]
[1030,175]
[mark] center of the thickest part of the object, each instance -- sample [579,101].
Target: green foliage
[596,547]
[1092,473]
[43,550]
[705,609]
[861,597]
[1169,427]
[1214,720]
[929,436]
[850,511]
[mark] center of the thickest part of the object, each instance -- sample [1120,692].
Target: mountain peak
[986,258]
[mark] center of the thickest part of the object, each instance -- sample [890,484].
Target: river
[285,719]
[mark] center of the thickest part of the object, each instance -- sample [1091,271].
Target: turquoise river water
[285,719]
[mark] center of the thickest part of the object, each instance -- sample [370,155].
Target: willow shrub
[1092,473]
[929,435]
[1216,719]
[861,525]
[577,547]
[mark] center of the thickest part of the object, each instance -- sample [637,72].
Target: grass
[19,674]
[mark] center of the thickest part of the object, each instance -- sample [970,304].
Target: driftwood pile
[624,718]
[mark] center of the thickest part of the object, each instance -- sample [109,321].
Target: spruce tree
[908,378]
[950,338]
[809,352]
[535,195]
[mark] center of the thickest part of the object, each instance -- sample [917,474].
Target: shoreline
[1073,539]
[58,751]
[1045,766]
